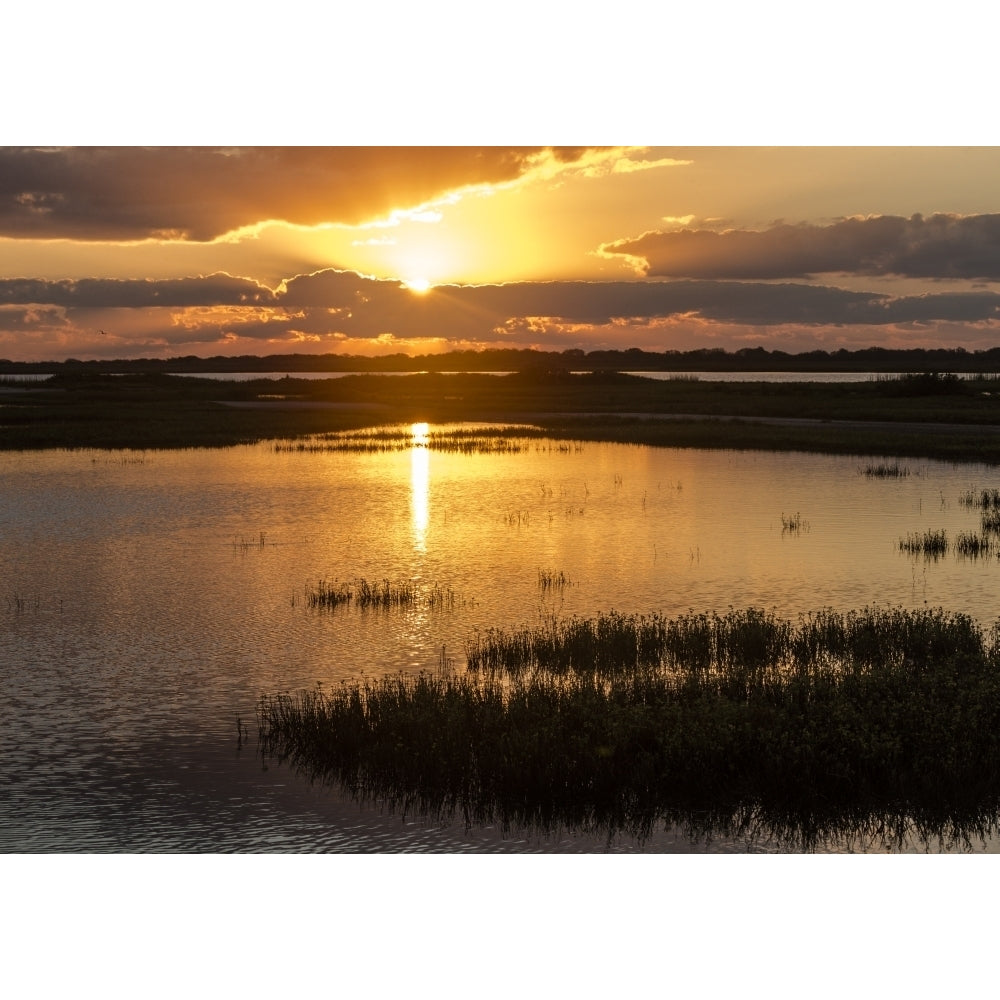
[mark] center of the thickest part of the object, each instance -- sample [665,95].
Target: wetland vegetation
[878,722]
[931,543]
[832,726]
[882,717]
[934,543]
[885,470]
[920,415]
[385,594]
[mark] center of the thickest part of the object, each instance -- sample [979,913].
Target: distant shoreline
[873,359]
[928,415]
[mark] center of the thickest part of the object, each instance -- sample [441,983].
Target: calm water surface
[147,599]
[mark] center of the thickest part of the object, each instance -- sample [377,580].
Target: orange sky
[159,252]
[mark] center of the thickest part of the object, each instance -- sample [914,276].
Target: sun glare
[418,285]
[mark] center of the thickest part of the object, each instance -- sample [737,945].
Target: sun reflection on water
[420,459]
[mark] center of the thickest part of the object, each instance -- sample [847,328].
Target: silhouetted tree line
[871,359]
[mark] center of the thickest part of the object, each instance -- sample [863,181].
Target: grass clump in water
[384,594]
[713,646]
[364,594]
[329,595]
[245,545]
[440,598]
[972,546]
[549,579]
[793,523]
[621,722]
[885,470]
[476,440]
[931,544]
[983,499]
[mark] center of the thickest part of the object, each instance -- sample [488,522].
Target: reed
[244,545]
[878,716]
[707,647]
[384,594]
[17,603]
[972,546]
[499,440]
[552,580]
[380,594]
[793,523]
[329,595]
[120,458]
[988,499]
[443,598]
[884,470]
[931,544]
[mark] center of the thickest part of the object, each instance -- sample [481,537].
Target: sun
[419,285]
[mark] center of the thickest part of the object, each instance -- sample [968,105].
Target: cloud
[130,193]
[97,293]
[344,302]
[939,246]
[20,318]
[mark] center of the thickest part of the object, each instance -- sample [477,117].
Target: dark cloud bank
[130,193]
[940,246]
[334,301]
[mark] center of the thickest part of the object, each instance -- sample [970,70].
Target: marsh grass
[17,603]
[711,646]
[987,502]
[971,546]
[244,545]
[126,457]
[329,595]
[362,593]
[476,440]
[384,593]
[884,470]
[549,579]
[877,720]
[793,523]
[930,544]
[445,598]
[985,499]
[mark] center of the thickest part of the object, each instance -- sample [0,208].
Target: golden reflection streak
[420,462]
